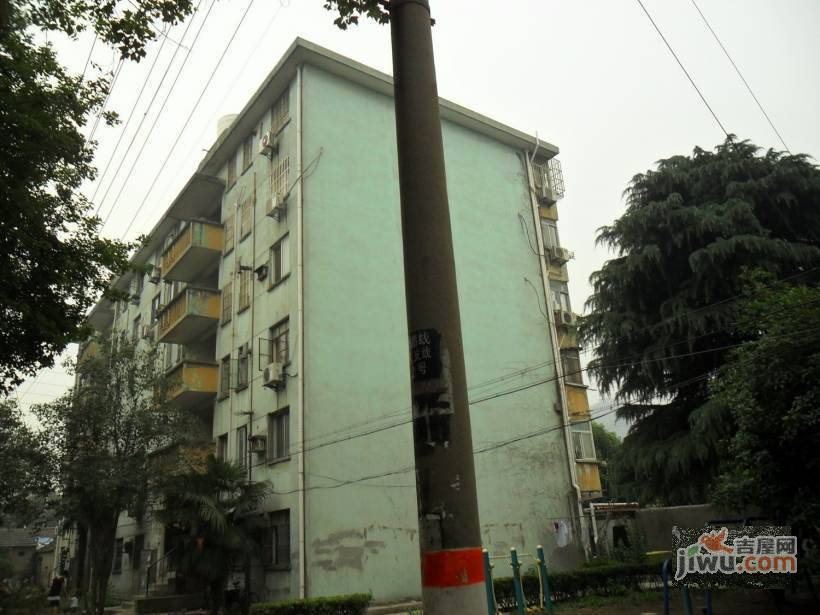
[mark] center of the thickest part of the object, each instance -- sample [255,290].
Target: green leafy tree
[207,509]
[26,466]
[662,311]
[771,386]
[54,262]
[349,11]
[104,432]
[607,444]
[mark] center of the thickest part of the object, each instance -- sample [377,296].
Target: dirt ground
[723,603]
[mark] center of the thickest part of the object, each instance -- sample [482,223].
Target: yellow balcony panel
[181,459]
[589,479]
[577,401]
[568,338]
[193,313]
[550,212]
[193,382]
[197,248]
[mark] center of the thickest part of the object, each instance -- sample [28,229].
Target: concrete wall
[656,523]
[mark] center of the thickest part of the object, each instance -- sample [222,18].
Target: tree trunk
[101,541]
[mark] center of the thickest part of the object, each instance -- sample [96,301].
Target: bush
[604,580]
[353,604]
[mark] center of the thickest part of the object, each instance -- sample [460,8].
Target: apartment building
[278,297]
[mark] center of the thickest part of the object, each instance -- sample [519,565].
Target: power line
[105,101]
[739,74]
[127,122]
[90,51]
[188,119]
[683,68]
[148,109]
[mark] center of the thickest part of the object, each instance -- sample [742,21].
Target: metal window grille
[242,446]
[244,289]
[278,434]
[279,113]
[279,176]
[227,302]
[230,233]
[245,218]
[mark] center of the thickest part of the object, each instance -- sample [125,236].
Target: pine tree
[662,311]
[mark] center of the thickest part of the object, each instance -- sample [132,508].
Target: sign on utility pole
[450,537]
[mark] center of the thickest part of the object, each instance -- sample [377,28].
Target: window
[276,547]
[549,229]
[279,348]
[582,441]
[242,446]
[247,152]
[242,366]
[230,233]
[154,308]
[245,218]
[225,377]
[279,177]
[279,113]
[222,447]
[572,367]
[232,170]
[279,261]
[136,554]
[245,281]
[140,283]
[117,567]
[279,435]
[560,296]
[135,328]
[227,302]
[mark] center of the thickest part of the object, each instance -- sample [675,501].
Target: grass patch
[631,598]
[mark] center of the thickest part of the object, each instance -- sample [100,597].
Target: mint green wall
[363,536]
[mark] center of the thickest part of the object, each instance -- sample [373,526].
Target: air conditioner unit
[567,318]
[258,444]
[268,144]
[273,376]
[545,194]
[154,279]
[277,206]
[560,255]
[135,299]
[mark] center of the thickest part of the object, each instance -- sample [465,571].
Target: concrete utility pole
[450,536]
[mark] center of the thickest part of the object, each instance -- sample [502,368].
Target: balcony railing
[193,382]
[589,478]
[194,312]
[196,249]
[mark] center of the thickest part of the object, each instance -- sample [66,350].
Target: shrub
[603,580]
[353,604]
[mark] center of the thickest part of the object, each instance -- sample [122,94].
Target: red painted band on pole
[452,568]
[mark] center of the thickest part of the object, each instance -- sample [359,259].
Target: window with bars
[227,302]
[230,233]
[247,152]
[225,377]
[245,218]
[279,434]
[279,177]
[560,296]
[135,328]
[154,308]
[245,282]
[222,447]
[279,262]
[276,541]
[231,170]
[279,113]
[279,346]
[242,446]
[571,362]
[243,366]
[582,440]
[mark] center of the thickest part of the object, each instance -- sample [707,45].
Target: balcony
[197,248]
[181,459]
[577,402]
[192,314]
[193,382]
[589,479]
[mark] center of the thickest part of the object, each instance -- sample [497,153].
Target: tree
[26,465]
[104,432]
[607,444]
[54,262]
[349,11]
[771,386]
[662,311]
[207,509]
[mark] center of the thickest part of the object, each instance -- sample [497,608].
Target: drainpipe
[556,354]
[250,351]
[300,326]
[594,527]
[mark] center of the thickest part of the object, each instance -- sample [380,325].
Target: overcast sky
[592,77]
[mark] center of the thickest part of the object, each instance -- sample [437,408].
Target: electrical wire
[88,59]
[148,109]
[739,74]
[116,74]
[188,119]
[125,126]
[683,68]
